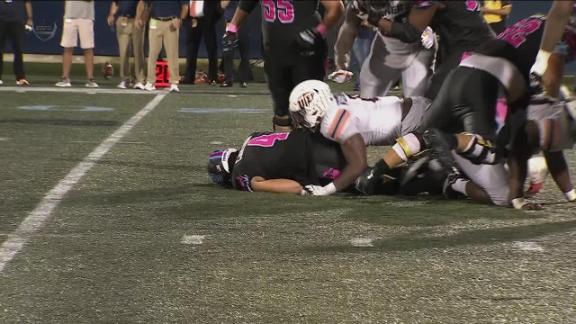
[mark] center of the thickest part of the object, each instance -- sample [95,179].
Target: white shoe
[149,87]
[174,88]
[91,84]
[1,82]
[65,83]
[139,85]
[121,85]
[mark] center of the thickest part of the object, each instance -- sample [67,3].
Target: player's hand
[340,76]
[229,42]
[428,38]
[312,190]
[521,204]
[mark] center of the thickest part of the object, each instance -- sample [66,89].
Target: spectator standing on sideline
[202,22]
[78,23]
[244,72]
[496,13]
[163,31]
[122,15]
[12,26]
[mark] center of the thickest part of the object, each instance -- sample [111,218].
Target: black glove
[229,42]
[308,40]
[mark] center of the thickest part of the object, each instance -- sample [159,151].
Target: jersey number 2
[283,10]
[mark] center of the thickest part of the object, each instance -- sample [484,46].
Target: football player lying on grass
[288,162]
[277,162]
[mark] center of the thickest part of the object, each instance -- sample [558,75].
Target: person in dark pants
[244,72]
[12,27]
[202,24]
[294,41]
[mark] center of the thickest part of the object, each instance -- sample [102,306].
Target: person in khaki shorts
[78,22]
[163,30]
[122,15]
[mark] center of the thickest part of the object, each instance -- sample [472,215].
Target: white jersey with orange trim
[378,120]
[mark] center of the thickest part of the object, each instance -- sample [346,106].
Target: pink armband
[322,30]
[232,28]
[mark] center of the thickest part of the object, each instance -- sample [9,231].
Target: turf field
[107,215]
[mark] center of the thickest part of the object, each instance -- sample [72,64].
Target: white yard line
[36,219]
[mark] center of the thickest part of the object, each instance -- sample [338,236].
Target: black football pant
[13,31]
[284,76]
[244,72]
[466,102]
[206,28]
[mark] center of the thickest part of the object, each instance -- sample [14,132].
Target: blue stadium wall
[48,14]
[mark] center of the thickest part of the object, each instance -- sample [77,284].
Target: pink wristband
[322,29]
[232,28]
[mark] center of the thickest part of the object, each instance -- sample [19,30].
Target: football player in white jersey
[354,123]
[389,58]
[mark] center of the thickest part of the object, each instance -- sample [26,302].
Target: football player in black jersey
[289,162]
[278,162]
[458,24]
[467,102]
[293,42]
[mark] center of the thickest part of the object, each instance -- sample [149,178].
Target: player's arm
[354,151]
[29,15]
[518,166]
[560,173]
[346,36]
[244,9]
[333,11]
[410,31]
[558,17]
[552,78]
[260,184]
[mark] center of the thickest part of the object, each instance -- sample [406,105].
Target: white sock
[460,186]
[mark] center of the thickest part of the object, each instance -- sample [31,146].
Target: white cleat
[65,83]
[174,88]
[149,87]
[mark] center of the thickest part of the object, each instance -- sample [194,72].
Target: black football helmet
[220,164]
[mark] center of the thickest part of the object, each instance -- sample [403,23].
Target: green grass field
[137,233]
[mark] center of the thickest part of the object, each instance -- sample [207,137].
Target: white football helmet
[309,101]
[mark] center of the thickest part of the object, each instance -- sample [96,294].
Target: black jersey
[519,43]
[458,23]
[283,20]
[299,155]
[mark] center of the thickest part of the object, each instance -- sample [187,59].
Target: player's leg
[489,183]
[416,76]
[379,71]
[280,85]
[16,31]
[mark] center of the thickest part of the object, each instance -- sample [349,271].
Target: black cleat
[441,146]
[447,190]
[367,183]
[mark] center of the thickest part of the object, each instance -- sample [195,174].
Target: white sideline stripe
[79,90]
[528,246]
[36,219]
[362,242]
